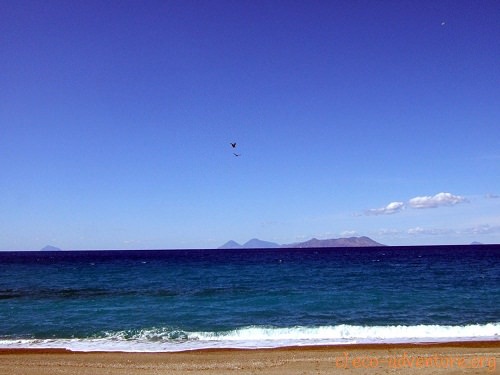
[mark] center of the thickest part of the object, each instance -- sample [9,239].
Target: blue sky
[376,118]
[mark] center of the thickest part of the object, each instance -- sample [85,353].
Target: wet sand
[425,359]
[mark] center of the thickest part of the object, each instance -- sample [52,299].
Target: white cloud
[428,231]
[487,233]
[391,208]
[348,233]
[483,229]
[389,232]
[416,230]
[324,236]
[492,196]
[440,199]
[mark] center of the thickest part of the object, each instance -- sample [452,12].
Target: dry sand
[453,358]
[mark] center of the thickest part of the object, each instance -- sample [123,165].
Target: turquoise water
[184,299]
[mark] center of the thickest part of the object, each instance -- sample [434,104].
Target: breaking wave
[169,340]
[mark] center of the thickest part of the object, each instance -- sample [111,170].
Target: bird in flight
[235,154]
[233,145]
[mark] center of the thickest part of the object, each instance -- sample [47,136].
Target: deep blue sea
[173,300]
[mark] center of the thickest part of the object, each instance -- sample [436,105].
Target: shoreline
[466,357]
[361,346]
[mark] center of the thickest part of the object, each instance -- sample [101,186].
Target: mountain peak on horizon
[230,245]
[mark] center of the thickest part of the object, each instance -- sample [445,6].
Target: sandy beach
[446,358]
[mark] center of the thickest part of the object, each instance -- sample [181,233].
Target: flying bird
[233,145]
[235,154]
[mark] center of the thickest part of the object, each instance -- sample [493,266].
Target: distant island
[312,243]
[254,243]
[337,242]
[50,248]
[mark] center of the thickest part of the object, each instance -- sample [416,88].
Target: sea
[176,300]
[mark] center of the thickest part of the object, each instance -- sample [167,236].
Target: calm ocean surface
[185,299]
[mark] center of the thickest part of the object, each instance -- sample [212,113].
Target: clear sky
[375,118]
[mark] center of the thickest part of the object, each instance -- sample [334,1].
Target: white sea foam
[168,340]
